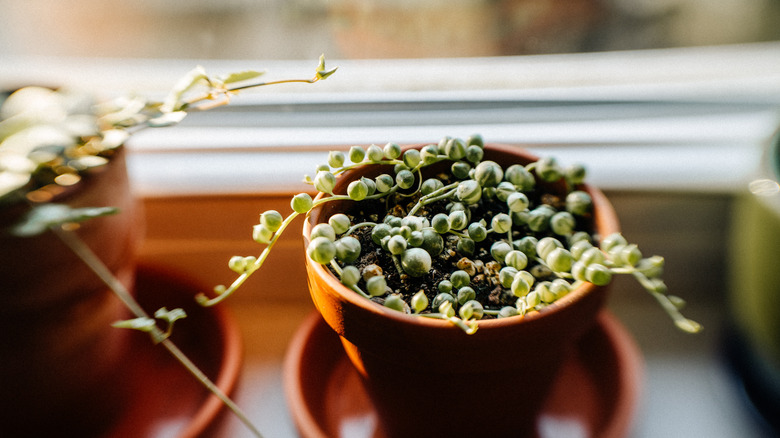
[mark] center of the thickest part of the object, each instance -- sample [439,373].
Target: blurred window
[302,29]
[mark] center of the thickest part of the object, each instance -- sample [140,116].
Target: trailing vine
[516,248]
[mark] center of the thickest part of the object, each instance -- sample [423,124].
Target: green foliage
[42,217]
[538,251]
[241,76]
[149,325]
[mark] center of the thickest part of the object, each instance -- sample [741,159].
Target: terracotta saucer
[160,398]
[596,393]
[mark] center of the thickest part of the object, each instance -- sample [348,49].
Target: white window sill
[694,119]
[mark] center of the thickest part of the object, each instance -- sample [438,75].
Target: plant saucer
[596,392]
[160,398]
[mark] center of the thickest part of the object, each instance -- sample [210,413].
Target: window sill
[692,119]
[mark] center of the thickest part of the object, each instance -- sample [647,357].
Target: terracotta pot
[377,29]
[57,345]
[429,378]
[160,397]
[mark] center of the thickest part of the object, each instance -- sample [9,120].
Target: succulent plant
[476,241]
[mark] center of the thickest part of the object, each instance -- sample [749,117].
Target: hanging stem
[445,192]
[227,91]
[99,268]
[205,302]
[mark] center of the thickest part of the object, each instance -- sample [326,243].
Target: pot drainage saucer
[159,398]
[595,395]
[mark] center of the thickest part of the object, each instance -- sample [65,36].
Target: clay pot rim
[606,223]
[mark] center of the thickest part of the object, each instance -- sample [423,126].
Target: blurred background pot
[58,347]
[427,377]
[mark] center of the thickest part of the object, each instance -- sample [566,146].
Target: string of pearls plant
[511,248]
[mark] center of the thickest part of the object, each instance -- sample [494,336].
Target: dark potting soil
[481,266]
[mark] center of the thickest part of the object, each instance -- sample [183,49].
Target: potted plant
[56,309]
[457,275]
[67,255]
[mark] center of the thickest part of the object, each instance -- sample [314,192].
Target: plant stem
[213,388]
[442,193]
[282,81]
[397,264]
[470,329]
[227,91]
[99,268]
[205,302]
[419,185]
[350,166]
[336,267]
[679,320]
[458,233]
[360,291]
[355,227]
[96,265]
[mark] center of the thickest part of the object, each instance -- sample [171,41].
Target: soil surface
[481,266]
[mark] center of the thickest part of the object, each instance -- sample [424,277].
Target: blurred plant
[50,138]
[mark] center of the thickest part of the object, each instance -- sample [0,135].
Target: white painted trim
[701,152]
